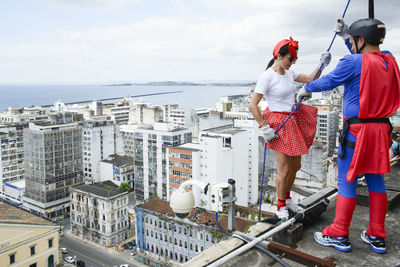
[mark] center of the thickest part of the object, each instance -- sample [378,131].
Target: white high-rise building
[100,140]
[183,117]
[327,128]
[119,112]
[225,155]
[141,113]
[251,126]
[11,154]
[148,147]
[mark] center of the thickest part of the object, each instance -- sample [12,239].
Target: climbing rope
[294,110]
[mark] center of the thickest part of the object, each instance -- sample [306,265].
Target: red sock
[281,203]
[377,214]
[288,195]
[344,212]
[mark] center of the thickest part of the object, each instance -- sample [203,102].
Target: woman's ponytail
[270,63]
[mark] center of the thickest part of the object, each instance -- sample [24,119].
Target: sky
[111,41]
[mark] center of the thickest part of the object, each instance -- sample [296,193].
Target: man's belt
[346,123]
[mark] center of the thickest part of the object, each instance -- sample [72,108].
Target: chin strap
[358,51]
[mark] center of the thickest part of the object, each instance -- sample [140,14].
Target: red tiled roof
[197,215]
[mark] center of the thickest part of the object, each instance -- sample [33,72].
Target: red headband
[293,45]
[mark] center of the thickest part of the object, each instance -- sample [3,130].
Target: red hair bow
[293,45]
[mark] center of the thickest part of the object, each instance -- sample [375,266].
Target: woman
[276,83]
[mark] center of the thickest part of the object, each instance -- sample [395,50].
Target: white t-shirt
[279,90]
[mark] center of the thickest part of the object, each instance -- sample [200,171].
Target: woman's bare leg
[282,178]
[295,166]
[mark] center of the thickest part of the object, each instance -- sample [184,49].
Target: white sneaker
[292,206]
[283,213]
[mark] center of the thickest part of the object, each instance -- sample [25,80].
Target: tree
[124,187]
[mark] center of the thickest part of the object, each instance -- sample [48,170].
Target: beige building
[99,213]
[27,240]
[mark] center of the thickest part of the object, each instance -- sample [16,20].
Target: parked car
[124,265]
[80,263]
[64,250]
[128,245]
[69,259]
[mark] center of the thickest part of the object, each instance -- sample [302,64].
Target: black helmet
[372,30]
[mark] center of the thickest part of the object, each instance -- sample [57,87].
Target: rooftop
[118,160]
[227,129]
[20,216]
[188,147]
[197,215]
[361,255]
[106,189]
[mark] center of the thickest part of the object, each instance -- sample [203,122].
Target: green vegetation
[124,187]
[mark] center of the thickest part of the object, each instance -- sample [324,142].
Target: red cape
[379,98]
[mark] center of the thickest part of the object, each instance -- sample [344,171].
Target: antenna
[371,9]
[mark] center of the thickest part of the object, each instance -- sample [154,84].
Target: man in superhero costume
[371,81]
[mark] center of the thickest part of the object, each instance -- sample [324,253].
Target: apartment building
[100,140]
[184,165]
[19,115]
[23,115]
[212,119]
[28,240]
[119,112]
[11,154]
[251,127]
[166,238]
[142,113]
[327,126]
[117,168]
[53,162]
[225,155]
[148,145]
[99,213]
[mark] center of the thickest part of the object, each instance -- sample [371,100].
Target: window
[33,265]
[32,250]
[12,258]
[227,142]
[50,243]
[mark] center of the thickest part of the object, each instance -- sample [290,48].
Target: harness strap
[346,123]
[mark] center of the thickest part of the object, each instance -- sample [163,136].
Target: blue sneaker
[378,244]
[340,243]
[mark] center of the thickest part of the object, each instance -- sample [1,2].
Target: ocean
[199,96]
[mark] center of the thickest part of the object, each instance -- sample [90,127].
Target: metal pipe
[371,9]
[263,246]
[251,244]
[298,217]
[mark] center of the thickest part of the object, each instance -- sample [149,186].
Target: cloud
[109,5]
[228,40]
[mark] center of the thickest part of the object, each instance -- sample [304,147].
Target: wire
[262,183]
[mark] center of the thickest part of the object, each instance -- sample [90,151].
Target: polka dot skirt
[297,135]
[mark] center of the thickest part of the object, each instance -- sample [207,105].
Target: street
[92,255]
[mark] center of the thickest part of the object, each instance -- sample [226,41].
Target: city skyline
[98,41]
